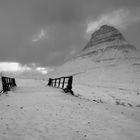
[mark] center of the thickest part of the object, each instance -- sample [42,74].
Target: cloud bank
[13,66]
[42,70]
[121,19]
[17,67]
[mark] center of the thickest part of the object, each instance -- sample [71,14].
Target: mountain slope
[108,62]
[107,47]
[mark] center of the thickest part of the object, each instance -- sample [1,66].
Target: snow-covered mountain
[108,62]
[108,43]
[107,47]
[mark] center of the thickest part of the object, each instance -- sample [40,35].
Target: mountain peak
[108,43]
[105,34]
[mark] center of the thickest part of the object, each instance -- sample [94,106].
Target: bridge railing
[7,83]
[64,83]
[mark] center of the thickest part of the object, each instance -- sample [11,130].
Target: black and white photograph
[69,69]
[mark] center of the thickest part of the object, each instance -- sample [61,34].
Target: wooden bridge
[64,83]
[7,83]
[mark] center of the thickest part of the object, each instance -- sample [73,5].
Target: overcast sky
[48,32]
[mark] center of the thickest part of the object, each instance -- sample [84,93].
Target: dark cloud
[64,24]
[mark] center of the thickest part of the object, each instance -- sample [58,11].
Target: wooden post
[69,86]
[4,84]
[70,82]
[59,82]
[14,82]
[63,83]
[50,82]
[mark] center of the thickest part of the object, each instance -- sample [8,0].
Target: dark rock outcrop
[105,34]
[105,42]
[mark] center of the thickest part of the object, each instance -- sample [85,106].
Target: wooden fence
[64,83]
[7,83]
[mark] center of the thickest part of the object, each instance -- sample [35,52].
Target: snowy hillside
[107,64]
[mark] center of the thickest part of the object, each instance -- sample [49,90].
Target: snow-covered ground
[116,81]
[34,111]
[111,84]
